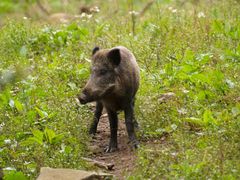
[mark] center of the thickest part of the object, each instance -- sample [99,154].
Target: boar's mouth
[96,95]
[83,98]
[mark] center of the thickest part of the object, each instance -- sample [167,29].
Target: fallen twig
[146,7]
[41,6]
[99,164]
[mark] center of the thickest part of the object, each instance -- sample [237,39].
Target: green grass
[191,49]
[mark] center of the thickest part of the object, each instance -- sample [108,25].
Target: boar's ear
[114,56]
[95,50]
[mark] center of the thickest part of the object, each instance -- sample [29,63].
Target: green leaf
[41,113]
[18,106]
[200,78]
[36,138]
[201,95]
[13,175]
[83,73]
[49,135]
[72,85]
[57,139]
[38,134]
[208,118]
[31,140]
[189,55]
[195,121]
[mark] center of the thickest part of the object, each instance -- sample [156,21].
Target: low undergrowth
[188,49]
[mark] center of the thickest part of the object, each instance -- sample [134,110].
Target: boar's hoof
[136,125]
[110,149]
[134,144]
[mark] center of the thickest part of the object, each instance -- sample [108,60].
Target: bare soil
[124,158]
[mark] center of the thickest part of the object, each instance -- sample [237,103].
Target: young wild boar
[113,84]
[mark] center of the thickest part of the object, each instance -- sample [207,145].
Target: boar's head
[103,76]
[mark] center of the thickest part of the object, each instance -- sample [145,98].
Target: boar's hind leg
[97,115]
[129,120]
[113,121]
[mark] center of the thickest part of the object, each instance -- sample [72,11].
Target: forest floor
[124,158]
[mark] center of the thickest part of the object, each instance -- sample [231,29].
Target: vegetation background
[189,48]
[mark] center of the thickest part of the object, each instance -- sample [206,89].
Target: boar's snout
[84,97]
[93,94]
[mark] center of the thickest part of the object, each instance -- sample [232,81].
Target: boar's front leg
[113,121]
[129,121]
[97,115]
[136,125]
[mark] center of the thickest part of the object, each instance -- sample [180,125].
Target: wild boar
[113,84]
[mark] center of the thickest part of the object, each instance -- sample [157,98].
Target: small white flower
[89,16]
[83,15]
[182,111]
[1,126]
[199,133]
[9,169]
[201,15]
[133,13]
[174,10]
[7,141]
[230,83]
[95,9]
[11,103]
[185,91]
[27,162]
[25,18]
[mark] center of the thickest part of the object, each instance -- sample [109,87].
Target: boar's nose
[82,98]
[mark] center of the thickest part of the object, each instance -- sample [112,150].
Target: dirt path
[124,158]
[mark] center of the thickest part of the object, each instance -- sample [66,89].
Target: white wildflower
[185,91]
[7,141]
[83,15]
[89,16]
[26,162]
[230,83]
[133,13]
[201,15]
[9,169]
[172,9]
[182,111]
[95,9]
[1,126]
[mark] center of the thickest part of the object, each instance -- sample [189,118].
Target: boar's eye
[102,71]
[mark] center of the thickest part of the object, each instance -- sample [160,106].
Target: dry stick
[99,164]
[146,7]
[42,7]
[133,17]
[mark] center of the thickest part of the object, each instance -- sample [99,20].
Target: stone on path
[47,173]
